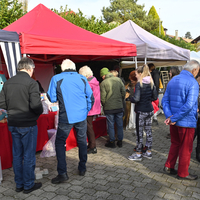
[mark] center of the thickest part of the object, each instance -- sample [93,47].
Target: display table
[5,146]
[45,122]
[99,127]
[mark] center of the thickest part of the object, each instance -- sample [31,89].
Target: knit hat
[104,71]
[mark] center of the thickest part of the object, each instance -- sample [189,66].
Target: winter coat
[74,95]
[180,100]
[94,84]
[112,94]
[20,96]
[144,95]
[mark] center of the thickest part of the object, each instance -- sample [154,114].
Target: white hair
[68,64]
[85,71]
[192,64]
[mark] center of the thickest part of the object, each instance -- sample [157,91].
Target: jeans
[61,136]
[24,148]
[111,120]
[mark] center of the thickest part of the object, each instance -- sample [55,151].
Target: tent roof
[44,32]
[148,45]
[8,36]
[194,56]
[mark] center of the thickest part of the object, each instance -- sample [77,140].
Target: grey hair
[68,64]
[25,63]
[192,64]
[85,71]
[114,72]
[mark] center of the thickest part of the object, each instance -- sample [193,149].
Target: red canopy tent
[47,37]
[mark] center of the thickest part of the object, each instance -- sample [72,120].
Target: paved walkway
[110,175]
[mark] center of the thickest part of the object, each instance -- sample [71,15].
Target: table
[45,122]
[100,129]
[5,146]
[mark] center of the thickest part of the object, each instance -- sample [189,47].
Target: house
[196,40]
[187,40]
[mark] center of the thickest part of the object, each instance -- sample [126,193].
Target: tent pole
[145,60]
[135,62]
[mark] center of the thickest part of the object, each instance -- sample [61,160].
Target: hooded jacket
[94,84]
[180,101]
[144,95]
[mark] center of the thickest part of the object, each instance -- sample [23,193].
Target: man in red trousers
[180,108]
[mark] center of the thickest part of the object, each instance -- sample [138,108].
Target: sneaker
[135,156]
[93,150]
[147,155]
[60,178]
[35,187]
[110,144]
[189,177]
[170,170]
[119,143]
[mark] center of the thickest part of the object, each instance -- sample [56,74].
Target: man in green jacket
[112,97]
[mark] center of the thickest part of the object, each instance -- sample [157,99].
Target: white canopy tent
[194,56]
[150,49]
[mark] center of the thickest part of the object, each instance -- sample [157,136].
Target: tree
[10,11]
[188,35]
[155,15]
[180,43]
[123,10]
[92,24]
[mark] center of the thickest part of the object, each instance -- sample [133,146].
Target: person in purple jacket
[96,109]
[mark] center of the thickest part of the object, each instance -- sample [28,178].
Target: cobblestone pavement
[110,175]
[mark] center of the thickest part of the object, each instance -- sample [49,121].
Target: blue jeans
[24,148]
[111,120]
[61,136]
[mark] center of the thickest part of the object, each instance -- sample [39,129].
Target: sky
[181,15]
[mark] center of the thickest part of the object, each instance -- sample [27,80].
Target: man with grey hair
[180,108]
[75,99]
[20,96]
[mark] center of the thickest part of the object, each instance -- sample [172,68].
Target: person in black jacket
[20,96]
[145,93]
[155,76]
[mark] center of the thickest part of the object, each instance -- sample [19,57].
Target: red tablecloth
[44,122]
[5,146]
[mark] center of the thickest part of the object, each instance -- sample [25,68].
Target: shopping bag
[49,148]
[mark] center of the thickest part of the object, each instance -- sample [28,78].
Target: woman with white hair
[96,109]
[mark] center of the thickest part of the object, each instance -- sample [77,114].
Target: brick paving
[110,175]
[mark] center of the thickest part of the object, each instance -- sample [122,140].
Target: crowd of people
[80,98]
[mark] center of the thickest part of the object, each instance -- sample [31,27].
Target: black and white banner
[12,55]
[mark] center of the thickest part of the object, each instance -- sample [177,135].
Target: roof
[148,46]
[48,37]
[196,40]
[185,39]
[7,36]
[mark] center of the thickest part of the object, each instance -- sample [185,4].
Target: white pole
[135,62]
[159,23]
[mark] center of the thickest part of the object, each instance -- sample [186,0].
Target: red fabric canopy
[42,32]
